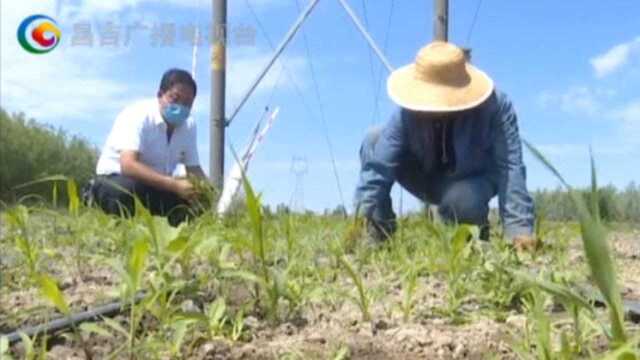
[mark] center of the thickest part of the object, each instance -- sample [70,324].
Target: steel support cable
[473,23]
[322,113]
[196,41]
[369,52]
[284,69]
[282,63]
[298,92]
[277,52]
[376,102]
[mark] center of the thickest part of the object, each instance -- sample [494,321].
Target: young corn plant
[30,352]
[218,323]
[355,232]
[206,195]
[537,330]
[180,328]
[50,291]
[134,269]
[254,209]
[18,218]
[451,254]
[363,299]
[410,282]
[237,329]
[597,252]
[72,191]
[267,280]
[572,301]
[407,259]
[4,349]
[216,318]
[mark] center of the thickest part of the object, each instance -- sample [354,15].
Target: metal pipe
[366,35]
[218,93]
[56,325]
[294,29]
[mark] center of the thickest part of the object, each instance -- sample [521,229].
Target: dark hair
[176,76]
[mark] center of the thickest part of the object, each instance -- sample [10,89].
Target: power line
[322,113]
[283,69]
[277,52]
[376,109]
[275,85]
[473,23]
[369,52]
[196,42]
[299,92]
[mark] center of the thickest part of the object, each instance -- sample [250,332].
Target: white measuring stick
[234,180]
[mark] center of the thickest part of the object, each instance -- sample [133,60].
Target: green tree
[30,150]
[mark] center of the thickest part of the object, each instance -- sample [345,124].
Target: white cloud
[615,58]
[629,114]
[577,100]
[67,84]
[72,83]
[90,8]
[244,65]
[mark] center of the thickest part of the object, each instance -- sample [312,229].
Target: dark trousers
[108,195]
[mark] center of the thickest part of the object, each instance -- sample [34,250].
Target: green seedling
[596,248]
[4,349]
[216,318]
[363,299]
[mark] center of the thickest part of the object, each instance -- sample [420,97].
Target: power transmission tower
[299,168]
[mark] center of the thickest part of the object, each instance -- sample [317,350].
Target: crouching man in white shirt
[148,141]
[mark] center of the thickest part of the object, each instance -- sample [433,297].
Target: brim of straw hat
[409,92]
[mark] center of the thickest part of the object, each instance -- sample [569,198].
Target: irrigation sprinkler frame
[287,39]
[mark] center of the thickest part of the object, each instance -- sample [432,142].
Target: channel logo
[39,34]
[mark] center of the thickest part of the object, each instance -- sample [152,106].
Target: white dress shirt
[140,127]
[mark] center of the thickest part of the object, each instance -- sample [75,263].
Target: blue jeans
[463,200]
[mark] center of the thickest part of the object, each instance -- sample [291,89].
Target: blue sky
[571,68]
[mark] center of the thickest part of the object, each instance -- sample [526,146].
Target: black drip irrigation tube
[108,310]
[631,312]
[631,308]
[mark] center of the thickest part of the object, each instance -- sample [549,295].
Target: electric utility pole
[441,20]
[218,86]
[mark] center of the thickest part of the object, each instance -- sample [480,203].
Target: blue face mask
[175,114]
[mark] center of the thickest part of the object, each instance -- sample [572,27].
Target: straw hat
[439,81]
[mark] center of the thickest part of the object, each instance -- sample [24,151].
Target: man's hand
[184,189]
[525,243]
[379,232]
[196,171]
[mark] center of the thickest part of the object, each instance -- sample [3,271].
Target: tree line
[615,205]
[30,150]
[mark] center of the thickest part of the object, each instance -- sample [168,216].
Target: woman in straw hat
[454,142]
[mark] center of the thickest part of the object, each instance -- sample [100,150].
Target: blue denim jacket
[486,142]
